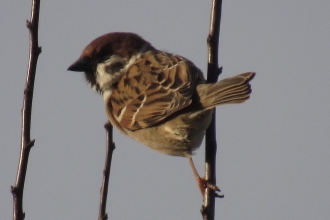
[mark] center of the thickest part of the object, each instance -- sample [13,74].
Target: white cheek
[102,77]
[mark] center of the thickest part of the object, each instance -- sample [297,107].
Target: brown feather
[235,89]
[157,85]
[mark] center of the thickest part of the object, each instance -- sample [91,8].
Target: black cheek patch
[114,67]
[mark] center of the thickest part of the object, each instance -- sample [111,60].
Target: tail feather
[235,89]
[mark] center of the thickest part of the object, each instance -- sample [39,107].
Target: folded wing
[157,85]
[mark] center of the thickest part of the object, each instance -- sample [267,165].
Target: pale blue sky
[273,151]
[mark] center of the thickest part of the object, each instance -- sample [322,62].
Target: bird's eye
[104,54]
[103,59]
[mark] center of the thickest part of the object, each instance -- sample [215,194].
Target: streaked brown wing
[154,87]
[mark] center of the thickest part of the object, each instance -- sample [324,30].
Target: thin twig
[106,172]
[27,143]
[213,73]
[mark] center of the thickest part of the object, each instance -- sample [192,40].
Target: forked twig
[213,72]
[26,142]
[106,172]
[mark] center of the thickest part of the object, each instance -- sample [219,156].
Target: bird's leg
[202,182]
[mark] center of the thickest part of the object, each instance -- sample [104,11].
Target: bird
[159,99]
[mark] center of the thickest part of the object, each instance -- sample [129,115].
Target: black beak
[80,65]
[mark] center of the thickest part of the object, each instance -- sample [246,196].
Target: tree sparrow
[159,99]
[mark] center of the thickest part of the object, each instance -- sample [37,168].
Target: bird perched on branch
[159,99]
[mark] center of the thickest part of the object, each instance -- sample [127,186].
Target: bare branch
[213,73]
[106,172]
[27,143]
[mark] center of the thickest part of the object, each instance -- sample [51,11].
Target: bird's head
[106,58]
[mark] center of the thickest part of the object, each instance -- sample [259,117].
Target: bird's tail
[231,90]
